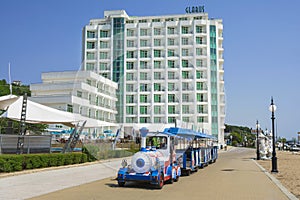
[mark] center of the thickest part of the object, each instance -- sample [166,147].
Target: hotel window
[199,29]
[130,43]
[129,65]
[130,32]
[170,20]
[157,31]
[157,53]
[171,109]
[129,98]
[143,65]
[199,86]
[171,119]
[130,120]
[130,54]
[90,56]
[103,45]
[103,55]
[144,119]
[199,74]
[143,53]
[155,20]
[129,76]
[129,110]
[143,87]
[200,119]
[129,21]
[171,63]
[199,51]
[103,66]
[171,52]
[171,30]
[185,109]
[171,75]
[79,94]
[158,120]
[103,34]
[171,41]
[171,86]
[90,66]
[184,30]
[200,108]
[184,41]
[157,76]
[200,97]
[91,34]
[183,19]
[143,43]
[143,76]
[157,42]
[90,45]
[185,63]
[185,52]
[143,21]
[185,74]
[89,82]
[185,98]
[199,40]
[199,63]
[157,87]
[143,32]
[185,86]
[143,110]
[157,64]
[143,98]
[157,98]
[157,109]
[69,108]
[186,119]
[129,87]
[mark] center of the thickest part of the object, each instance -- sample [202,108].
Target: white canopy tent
[38,113]
[35,112]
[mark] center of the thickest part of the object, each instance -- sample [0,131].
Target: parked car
[295,147]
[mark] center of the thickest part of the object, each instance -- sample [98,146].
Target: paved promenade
[234,176]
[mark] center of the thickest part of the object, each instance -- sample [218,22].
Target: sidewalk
[235,175]
[27,185]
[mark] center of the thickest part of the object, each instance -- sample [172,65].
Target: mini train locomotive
[165,155]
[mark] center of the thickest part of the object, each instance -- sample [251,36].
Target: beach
[288,165]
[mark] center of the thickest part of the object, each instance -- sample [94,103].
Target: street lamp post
[272,108]
[257,142]
[231,140]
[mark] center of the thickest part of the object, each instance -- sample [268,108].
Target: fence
[32,143]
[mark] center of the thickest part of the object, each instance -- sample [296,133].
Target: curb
[277,183]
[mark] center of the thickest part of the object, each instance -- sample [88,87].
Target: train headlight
[124,163]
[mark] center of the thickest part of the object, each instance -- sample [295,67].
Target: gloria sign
[194,9]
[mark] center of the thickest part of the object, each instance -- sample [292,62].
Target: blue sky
[261,42]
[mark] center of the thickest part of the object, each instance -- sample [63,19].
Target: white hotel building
[82,92]
[168,68]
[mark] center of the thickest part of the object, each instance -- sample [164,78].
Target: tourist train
[165,156]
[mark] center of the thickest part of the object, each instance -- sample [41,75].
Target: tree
[18,90]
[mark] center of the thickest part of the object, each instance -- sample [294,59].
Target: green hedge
[11,163]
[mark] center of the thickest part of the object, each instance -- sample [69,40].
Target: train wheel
[176,179]
[121,184]
[161,182]
[188,172]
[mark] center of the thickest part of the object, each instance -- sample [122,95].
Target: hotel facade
[169,69]
[86,93]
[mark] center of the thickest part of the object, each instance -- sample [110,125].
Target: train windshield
[156,142]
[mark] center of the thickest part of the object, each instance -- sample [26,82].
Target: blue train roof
[187,132]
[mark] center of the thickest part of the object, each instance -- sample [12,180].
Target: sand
[288,165]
